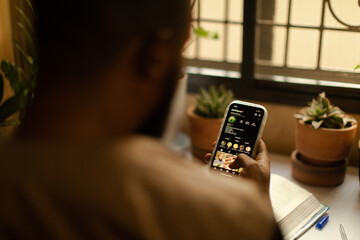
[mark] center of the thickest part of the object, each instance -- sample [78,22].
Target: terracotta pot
[322,146]
[324,176]
[203,131]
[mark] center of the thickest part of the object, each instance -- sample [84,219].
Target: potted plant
[324,135]
[206,116]
[22,81]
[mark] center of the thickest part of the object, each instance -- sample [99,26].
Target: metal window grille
[254,56]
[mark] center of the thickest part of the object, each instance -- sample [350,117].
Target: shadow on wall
[279,133]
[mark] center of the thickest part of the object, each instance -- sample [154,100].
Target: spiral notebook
[295,209]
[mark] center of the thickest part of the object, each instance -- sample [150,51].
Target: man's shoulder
[136,182]
[185,194]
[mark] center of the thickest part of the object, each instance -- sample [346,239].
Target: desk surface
[344,201]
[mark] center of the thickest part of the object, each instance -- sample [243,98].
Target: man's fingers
[256,169]
[244,161]
[241,160]
[207,157]
[213,145]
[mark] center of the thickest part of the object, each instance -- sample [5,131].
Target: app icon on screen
[236,145]
[229,144]
[232,119]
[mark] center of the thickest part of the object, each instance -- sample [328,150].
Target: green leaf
[333,123]
[24,76]
[9,69]
[226,99]
[222,90]
[205,95]
[325,103]
[212,103]
[10,106]
[31,8]
[10,123]
[213,93]
[11,74]
[27,58]
[322,95]
[28,39]
[348,120]
[26,19]
[202,33]
[1,87]
[357,67]
[202,111]
[316,124]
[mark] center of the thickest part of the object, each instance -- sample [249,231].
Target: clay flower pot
[203,131]
[324,145]
[322,176]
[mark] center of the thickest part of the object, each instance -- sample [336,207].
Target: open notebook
[295,209]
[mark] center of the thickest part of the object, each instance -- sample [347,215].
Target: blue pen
[321,223]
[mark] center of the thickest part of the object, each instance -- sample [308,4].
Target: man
[87,161]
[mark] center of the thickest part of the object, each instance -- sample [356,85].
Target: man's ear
[153,59]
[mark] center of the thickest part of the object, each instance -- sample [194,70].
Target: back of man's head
[81,38]
[110,63]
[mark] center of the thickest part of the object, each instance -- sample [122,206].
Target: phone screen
[238,135]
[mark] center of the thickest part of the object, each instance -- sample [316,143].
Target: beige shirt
[130,189]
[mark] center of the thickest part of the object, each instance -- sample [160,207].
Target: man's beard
[155,124]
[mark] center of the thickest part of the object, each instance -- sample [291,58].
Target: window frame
[268,88]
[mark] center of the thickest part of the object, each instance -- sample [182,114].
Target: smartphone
[240,132]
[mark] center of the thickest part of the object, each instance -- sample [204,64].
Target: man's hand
[257,169]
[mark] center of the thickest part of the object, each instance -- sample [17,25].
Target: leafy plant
[22,81]
[212,103]
[321,113]
[358,66]
[200,32]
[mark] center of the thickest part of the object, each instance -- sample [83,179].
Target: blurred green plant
[212,103]
[200,32]
[358,66]
[22,81]
[321,113]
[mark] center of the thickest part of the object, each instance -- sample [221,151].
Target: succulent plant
[212,103]
[321,113]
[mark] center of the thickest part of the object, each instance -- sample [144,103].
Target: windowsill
[277,89]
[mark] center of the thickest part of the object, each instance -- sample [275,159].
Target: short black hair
[80,37]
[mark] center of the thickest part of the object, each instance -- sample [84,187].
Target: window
[226,18]
[288,48]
